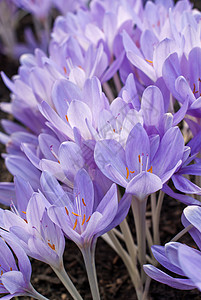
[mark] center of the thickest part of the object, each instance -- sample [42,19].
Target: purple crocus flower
[38,8]
[15,280]
[145,164]
[180,259]
[80,218]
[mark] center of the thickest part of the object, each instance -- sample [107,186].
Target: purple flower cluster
[116,102]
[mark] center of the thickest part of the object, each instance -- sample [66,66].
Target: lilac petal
[113,68]
[182,198]
[193,231]
[163,49]
[195,67]
[170,151]
[182,284]
[193,215]
[6,257]
[83,188]
[171,71]
[7,193]
[93,97]
[11,127]
[55,169]
[92,226]
[14,282]
[121,214]
[55,120]
[41,251]
[78,112]
[160,255]
[71,159]
[20,166]
[143,185]
[108,208]
[180,114]
[194,169]
[11,219]
[59,216]
[152,106]
[24,192]
[183,88]
[53,190]
[31,153]
[190,260]
[109,153]
[148,41]
[35,210]
[63,92]
[137,145]
[48,145]
[136,58]
[184,185]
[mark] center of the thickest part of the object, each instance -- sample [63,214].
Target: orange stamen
[127,170]
[66,211]
[26,221]
[139,158]
[75,214]
[83,202]
[83,220]
[11,269]
[24,212]
[1,272]
[52,246]
[132,172]
[149,61]
[150,170]
[114,130]
[1,283]
[65,71]
[66,118]
[194,91]
[88,219]
[75,224]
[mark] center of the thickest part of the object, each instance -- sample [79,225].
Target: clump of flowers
[108,120]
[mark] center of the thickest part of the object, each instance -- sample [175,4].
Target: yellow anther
[150,170]
[88,219]
[83,202]
[75,224]
[75,214]
[66,211]
[83,219]
[24,212]
[127,170]
[52,246]
[149,61]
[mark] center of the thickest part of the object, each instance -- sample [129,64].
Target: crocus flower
[180,259]
[82,220]
[15,280]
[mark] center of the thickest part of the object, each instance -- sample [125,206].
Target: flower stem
[139,213]
[156,218]
[63,276]
[36,294]
[89,260]
[181,233]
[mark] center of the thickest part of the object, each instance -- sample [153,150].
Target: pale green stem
[157,218]
[146,288]
[132,270]
[108,92]
[181,233]
[36,294]
[149,239]
[89,260]
[63,276]
[139,213]
[129,241]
